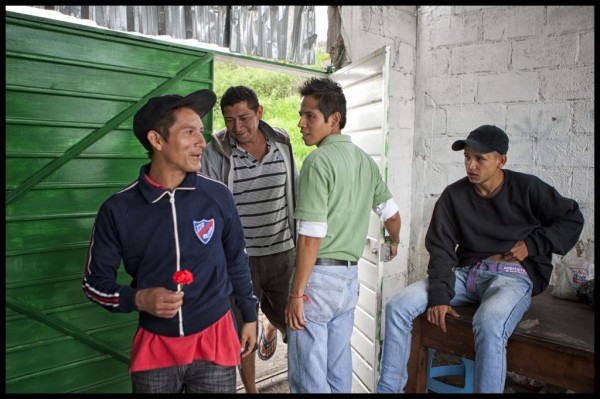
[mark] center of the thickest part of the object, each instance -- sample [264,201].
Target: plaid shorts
[198,377]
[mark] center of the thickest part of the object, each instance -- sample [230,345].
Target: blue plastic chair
[465,369]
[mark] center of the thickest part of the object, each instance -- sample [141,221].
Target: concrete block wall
[366,29]
[526,69]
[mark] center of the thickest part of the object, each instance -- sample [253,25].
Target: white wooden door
[365,84]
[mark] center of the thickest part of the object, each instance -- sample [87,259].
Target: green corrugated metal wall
[71,92]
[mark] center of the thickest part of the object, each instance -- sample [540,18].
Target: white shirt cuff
[386,209]
[312,229]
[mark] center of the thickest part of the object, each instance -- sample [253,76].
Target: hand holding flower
[181,277]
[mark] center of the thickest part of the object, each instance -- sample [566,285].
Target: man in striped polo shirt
[256,162]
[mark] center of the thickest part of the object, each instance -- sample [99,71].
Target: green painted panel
[119,337]
[82,79]
[98,50]
[120,385]
[116,329]
[30,141]
[92,319]
[61,201]
[9,313]
[60,109]
[24,139]
[45,264]
[66,83]
[118,142]
[42,265]
[98,170]
[32,266]
[55,353]
[66,109]
[69,379]
[82,171]
[51,295]
[18,170]
[22,331]
[48,233]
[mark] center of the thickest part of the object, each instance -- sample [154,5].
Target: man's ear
[155,139]
[259,112]
[334,120]
[502,161]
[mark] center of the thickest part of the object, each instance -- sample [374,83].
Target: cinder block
[569,19]
[583,117]
[545,52]
[516,22]
[567,84]
[519,86]
[538,119]
[488,57]
[455,29]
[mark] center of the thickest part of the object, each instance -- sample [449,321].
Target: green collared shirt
[339,185]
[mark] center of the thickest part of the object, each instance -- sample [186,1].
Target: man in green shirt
[339,185]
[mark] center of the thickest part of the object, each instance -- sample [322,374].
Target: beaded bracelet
[300,297]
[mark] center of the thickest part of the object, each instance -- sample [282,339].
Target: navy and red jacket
[155,232]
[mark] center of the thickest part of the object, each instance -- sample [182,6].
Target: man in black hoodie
[491,239]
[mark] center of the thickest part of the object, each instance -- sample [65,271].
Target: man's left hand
[248,339]
[517,253]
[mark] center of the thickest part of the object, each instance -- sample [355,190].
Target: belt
[335,262]
[492,266]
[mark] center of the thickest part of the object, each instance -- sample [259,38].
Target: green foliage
[277,94]
[323,60]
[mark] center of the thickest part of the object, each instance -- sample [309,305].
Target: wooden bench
[554,343]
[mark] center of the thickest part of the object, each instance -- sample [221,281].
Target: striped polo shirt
[259,193]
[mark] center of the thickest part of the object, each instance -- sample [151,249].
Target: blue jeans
[503,298]
[319,356]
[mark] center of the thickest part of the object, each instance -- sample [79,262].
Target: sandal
[262,341]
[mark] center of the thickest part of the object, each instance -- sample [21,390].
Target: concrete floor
[271,375]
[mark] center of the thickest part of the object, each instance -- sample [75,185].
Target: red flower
[183,277]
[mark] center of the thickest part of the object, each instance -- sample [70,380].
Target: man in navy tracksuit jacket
[173,218]
[149,227]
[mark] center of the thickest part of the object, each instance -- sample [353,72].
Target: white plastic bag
[568,279]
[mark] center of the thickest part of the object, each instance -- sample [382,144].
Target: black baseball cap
[485,138]
[201,101]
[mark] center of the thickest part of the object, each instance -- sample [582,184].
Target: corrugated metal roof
[284,33]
